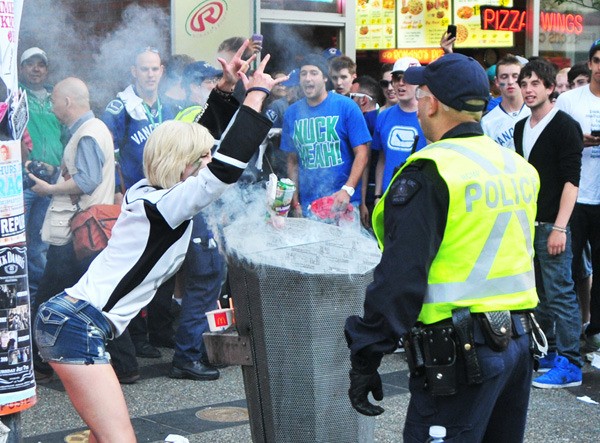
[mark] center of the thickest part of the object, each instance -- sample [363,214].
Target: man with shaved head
[87,178]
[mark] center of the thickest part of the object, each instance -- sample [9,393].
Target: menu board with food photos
[384,24]
[375,24]
[467,18]
[421,23]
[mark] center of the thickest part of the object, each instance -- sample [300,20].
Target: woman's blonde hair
[171,148]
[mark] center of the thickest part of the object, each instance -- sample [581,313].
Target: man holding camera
[47,150]
[87,178]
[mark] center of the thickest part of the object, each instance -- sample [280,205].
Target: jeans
[493,411]
[35,212]
[558,310]
[585,225]
[63,271]
[72,331]
[203,269]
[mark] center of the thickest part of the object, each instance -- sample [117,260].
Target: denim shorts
[72,331]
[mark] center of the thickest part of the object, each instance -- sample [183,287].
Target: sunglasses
[360,95]
[419,94]
[385,83]
[148,49]
[397,77]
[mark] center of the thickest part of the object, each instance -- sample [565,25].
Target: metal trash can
[293,290]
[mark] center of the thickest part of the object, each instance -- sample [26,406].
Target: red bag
[92,228]
[322,208]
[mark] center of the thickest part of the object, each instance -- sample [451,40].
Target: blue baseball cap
[330,53]
[454,79]
[198,71]
[294,79]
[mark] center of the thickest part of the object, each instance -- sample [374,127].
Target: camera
[38,169]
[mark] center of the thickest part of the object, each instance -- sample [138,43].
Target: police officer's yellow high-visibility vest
[189,114]
[485,260]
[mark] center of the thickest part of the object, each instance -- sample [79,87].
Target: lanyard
[158,112]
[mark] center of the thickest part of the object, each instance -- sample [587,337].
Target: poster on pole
[17,381]
[10,20]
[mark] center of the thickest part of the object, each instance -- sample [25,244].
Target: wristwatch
[349,190]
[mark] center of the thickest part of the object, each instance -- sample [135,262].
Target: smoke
[288,45]
[141,27]
[103,59]
[75,49]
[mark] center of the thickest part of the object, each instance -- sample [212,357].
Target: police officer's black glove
[360,386]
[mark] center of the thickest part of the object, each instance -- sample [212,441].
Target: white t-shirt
[499,125]
[530,135]
[584,107]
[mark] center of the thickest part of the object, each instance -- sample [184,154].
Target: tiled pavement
[215,411]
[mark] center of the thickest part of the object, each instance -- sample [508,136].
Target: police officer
[455,280]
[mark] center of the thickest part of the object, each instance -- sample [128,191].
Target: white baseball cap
[32,52]
[402,64]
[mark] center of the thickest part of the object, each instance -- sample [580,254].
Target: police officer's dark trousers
[493,411]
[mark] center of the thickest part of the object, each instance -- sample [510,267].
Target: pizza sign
[205,17]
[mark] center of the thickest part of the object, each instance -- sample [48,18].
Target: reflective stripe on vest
[189,114]
[485,258]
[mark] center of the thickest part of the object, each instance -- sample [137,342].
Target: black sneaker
[146,350]
[128,378]
[194,371]
[204,360]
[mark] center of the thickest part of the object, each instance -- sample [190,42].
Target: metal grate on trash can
[293,290]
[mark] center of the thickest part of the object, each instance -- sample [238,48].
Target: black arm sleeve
[217,114]
[571,143]
[239,143]
[415,221]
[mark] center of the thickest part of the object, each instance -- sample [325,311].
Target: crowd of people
[344,138]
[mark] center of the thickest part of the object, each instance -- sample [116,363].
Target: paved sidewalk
[216,411]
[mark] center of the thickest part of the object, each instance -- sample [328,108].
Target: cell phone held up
[596,133]
[451,31]
[257,42]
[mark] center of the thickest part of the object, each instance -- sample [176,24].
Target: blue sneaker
[547,363]
[563,375]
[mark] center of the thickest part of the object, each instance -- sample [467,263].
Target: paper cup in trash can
[219,319]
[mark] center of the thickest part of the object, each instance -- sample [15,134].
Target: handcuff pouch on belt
[497,328]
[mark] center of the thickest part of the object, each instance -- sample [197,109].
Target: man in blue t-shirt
[326,138]
[396,128]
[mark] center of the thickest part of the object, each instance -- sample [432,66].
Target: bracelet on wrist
[225,94]
[559,229]
[258,88]
[378,196]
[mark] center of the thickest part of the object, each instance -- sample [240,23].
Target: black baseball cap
[454,79]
